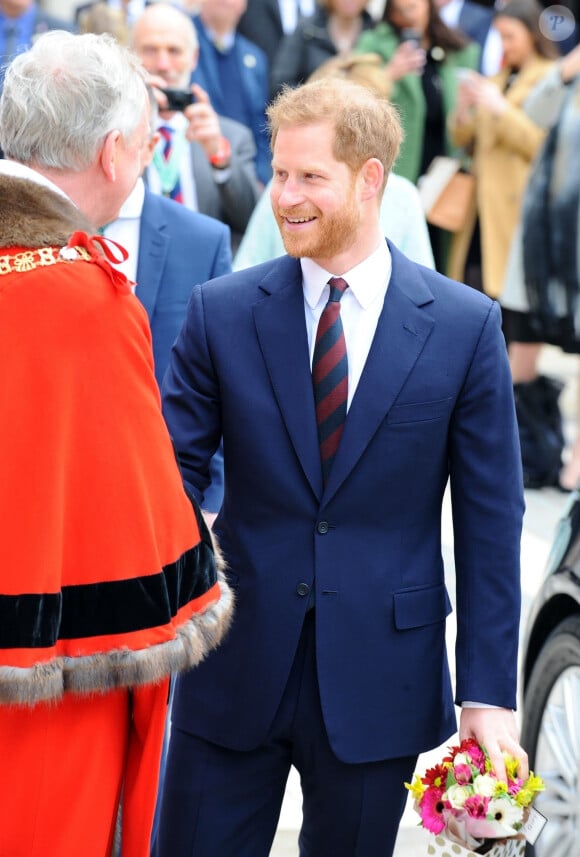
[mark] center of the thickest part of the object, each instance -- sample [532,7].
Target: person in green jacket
[423,59]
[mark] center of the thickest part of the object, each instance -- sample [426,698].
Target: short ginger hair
[365,124]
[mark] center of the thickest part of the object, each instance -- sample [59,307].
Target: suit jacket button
[302,589]
[322,527]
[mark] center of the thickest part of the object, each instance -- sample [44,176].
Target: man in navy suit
[336,659]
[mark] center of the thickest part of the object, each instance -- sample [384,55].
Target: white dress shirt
[125,229]
[291,10]
[360,306]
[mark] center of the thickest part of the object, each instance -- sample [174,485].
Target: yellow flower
[500,789]
[529,790]
[511,766]
[416,788]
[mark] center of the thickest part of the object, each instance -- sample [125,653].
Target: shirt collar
[366,280]
[21,171]
[223,43]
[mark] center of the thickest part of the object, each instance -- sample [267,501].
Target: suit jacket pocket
[424,605]
[419,411]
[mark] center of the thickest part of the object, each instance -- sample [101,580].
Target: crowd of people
[239,406]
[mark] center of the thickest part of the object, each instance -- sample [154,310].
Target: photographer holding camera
[206,161]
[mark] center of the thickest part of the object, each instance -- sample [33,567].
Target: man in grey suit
[207,161]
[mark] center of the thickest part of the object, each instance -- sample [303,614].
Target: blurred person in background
[475,21]
[21,22]
[234,72]
[421,56]
[205,161]
[490,119]
[266,22]
[540,297]
[332,30]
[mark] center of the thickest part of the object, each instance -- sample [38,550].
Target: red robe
[108,580]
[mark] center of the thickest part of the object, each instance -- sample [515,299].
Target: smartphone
[410,34]
[178,99]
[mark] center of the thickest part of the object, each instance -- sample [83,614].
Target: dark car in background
[551,691]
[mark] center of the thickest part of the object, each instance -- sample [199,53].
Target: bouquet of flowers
[462,799]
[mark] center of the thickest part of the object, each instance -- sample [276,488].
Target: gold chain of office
[41,257]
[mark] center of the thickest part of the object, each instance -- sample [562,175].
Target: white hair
[63,96]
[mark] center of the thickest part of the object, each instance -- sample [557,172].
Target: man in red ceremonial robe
[108,578]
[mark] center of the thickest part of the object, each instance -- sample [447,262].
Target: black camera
[178,99]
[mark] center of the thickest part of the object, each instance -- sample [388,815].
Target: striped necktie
[330,376]
[167,137]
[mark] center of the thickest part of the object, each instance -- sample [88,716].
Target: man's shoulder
[258,280]
[447,298]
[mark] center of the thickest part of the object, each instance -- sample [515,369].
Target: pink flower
[476,806]
[475,753]
[462,774]
[514,786]
[431,810]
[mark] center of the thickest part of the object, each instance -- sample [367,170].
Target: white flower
[457,795]
[461,759]
[506,813]
[484,785]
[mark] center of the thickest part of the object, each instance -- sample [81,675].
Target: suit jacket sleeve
[487,503]
[214,494]
[191,400]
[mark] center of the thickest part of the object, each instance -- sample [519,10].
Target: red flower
[435,777]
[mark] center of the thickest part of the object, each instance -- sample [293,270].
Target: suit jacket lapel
[281,329]
[153,248]
[402,331]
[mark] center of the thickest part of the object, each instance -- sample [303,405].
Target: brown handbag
[449,194]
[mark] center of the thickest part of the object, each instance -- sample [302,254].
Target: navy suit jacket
[177,249]
[434,404]
[253,82]
[475,21]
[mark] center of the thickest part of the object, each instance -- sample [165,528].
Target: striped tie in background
[167,137]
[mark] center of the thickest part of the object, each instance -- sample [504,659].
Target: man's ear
[371,177]
[149,149]
[108,156]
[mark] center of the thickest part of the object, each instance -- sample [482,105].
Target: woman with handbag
[490,118]
[421,55]
[540,298]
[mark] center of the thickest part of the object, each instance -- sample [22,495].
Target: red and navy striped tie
[167,136]
[330,376]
